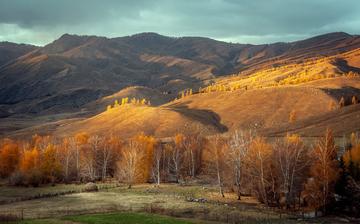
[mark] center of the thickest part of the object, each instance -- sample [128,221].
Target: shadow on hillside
[205,117]
[347,92]
[344,66]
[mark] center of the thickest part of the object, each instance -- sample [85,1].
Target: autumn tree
[342,102]
[354,100]
[9,157]
[324,172]
[129,166]
[259,167]
[89,158]
[30,166]
[177,156]
[147,145]
[116,104]
[78,143]
[217,151]
[109,153]
[50,164]
[291,160]
[66,157]
[352,159]
[192,157]
[239,144]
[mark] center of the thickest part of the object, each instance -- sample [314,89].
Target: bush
[89,187]
[34,178]
[17,179]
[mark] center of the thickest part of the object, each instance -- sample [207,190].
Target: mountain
[65,86]
[75,70]
[10,51]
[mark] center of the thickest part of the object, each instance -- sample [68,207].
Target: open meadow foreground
[170,111]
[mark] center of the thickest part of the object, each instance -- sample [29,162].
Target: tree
[354,100]
[147,144]
[238,149]
[108,108]
[129,166]
[78,143]
[352,159]
[156,169]
[89,158]
[192,157]
[342,102]
[30,160]
[324,171]
[291,159]
[259,165]
[217,150]
[9,157]
[67,155]
[116,104]
[109,151]
[182,94]
[50,164]
[177,156]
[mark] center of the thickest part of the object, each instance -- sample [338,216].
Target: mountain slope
[75,70]
[265,110]
[10,51]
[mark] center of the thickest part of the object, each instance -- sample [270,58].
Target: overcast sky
[245,21]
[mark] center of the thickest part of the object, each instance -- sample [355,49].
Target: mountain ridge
[73,72]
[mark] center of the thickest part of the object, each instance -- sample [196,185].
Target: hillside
[66,86]
[129,120]
[74,70]
[10,51]
[343,122]
[155,97]
[264,110]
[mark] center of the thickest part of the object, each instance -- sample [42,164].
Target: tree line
[285,172]
[126,100]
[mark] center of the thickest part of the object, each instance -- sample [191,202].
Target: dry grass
[168,199]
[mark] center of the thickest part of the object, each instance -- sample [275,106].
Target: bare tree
[156,170]
[67,155]
[238,149]
[129,166]
[89,158]
[291,159]
[324,171]
[259,163]
[217,149]
[109,152]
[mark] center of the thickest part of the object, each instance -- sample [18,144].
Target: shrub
[17,179]
[34,178]
[89,187]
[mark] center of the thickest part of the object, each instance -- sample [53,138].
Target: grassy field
[112,218]
[12,194]
[168,200]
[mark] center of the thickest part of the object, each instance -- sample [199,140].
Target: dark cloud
[255,21]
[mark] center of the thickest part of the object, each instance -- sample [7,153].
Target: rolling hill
[264,110]
[75,70]
[64,87]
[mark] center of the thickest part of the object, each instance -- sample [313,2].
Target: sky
[40,22]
